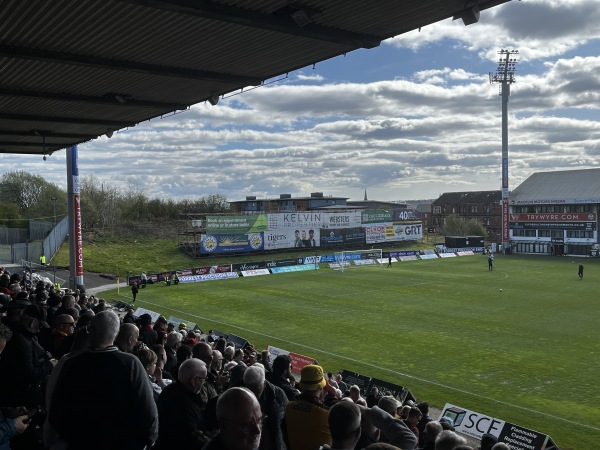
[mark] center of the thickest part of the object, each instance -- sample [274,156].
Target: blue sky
[411,119]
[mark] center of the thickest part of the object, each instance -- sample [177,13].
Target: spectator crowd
[74,374]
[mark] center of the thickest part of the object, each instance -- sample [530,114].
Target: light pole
[54,208]
[505,76]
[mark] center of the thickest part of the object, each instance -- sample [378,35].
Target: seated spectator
[449,440]
[273,403]
[180,409]
[240,421]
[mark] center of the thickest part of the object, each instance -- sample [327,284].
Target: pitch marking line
[317,350]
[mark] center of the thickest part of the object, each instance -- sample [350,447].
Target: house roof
[73,70]
[565,186]
[478,197]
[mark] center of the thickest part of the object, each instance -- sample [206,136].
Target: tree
[459,226]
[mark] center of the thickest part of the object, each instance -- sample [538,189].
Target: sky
[411,119]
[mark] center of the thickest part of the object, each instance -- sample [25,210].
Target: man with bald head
[240,421]
[103,397]
[127,337]
[180,409]
[204,353]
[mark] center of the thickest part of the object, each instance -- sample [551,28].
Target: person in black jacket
[273,402]
[103,398]
[25,365]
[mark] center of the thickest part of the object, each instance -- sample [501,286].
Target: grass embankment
[123,255]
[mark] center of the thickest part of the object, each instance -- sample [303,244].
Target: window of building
[437,209]
[579,208]
[473,209]
[487,208]
[580,234]
[543,233]
[524,233]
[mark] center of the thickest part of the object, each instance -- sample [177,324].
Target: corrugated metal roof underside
[114,63]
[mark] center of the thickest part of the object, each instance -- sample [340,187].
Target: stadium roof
[73,70]
[473,197]
[567,186]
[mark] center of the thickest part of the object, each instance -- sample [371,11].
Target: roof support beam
[48,134]
[108,99]
[45,145]
[244,17]
[57,119]
[12,51]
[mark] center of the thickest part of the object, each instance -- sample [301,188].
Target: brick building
[484,206]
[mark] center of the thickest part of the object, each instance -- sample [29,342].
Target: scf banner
[475,424]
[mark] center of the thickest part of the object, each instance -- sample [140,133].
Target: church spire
[366,195]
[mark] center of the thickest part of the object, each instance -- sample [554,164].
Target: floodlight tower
[505,75]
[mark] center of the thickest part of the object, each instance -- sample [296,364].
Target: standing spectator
[10,426]
[171,345]
[344,423]
[147,334]
[448,440]
[429,435]
[373,397]
[491,262]
[425,419]
[282,370]
[127,338]
[340,381]
[273,403]
[306,418]
[414,416]
[180,409]
[240,421]
[25,366]
[104,389]
[356,397]
[134,290]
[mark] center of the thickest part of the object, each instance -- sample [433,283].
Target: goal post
[348,259]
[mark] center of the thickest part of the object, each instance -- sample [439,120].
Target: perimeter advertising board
[475,424]
[231,243]
[236,224]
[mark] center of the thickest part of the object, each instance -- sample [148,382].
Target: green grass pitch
[528,354]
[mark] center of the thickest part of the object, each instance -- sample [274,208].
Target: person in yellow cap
[306,426]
